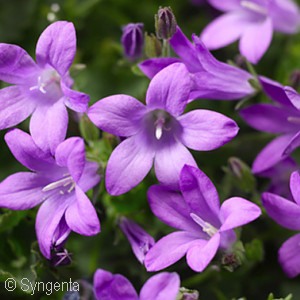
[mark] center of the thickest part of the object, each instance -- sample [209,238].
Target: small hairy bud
[165,23]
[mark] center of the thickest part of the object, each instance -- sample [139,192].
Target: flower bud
[165,23]
[139,239]
[152,46]
[133,40]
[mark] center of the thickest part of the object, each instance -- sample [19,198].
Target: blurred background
[98,24]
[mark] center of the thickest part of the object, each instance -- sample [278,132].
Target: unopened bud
[153,46]
[165,23]
[133,40]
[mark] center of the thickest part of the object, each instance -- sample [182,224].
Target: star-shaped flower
[42,89]
[58,182]
[157,132]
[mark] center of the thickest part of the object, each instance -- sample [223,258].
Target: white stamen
[64,182]
[294,120]
[254,7]
[206,227]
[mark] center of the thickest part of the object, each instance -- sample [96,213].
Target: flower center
[206,227]
[48,83]
[162,124]
[254,7]
[65,185]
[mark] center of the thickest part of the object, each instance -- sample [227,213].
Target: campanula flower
[42,89]
[58,182]
[287,214]
[212,79]
[139,239]
[203,225]
[157,132]
[281,118]
[133,40]
[252,22]
[162,286]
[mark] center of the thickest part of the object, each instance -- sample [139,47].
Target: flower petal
[169,89]
[152,66]
[161,286]
[285,16]
[16,66]
[293,144]
[71,154]
[256,40]
[128,164]
[295,186]
[200,194]
[81,215]
[200,255]
[273,153]
[223,85]
[170,207]
[15,107]
[113,287]
[169,160]
[285,212]
[224,30]
[168,250]
[27,153]
[57,46]
[227,5]
[120,115]
[22,191]
[270,118]
[185,50]
[206,130]
[236,212]
[48,219]
[275,91]
[289,256]
[293,96]
[75,100]
[48,126]
[89,177]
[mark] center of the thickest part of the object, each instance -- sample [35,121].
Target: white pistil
[206,227]
[62,183]
[294,120]
[254,7]
[159,126]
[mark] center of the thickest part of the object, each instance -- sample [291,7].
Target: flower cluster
[155,133]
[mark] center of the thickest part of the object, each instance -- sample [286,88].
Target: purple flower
[58,182]
[252,22]
[204,225]
[282,118]
[158,131]
[162,286]
[212,79]
[287,214]
[42,89]
[133,40]
[138,238]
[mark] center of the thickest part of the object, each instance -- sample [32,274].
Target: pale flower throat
[162,124]
[48,83]
[206,227]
